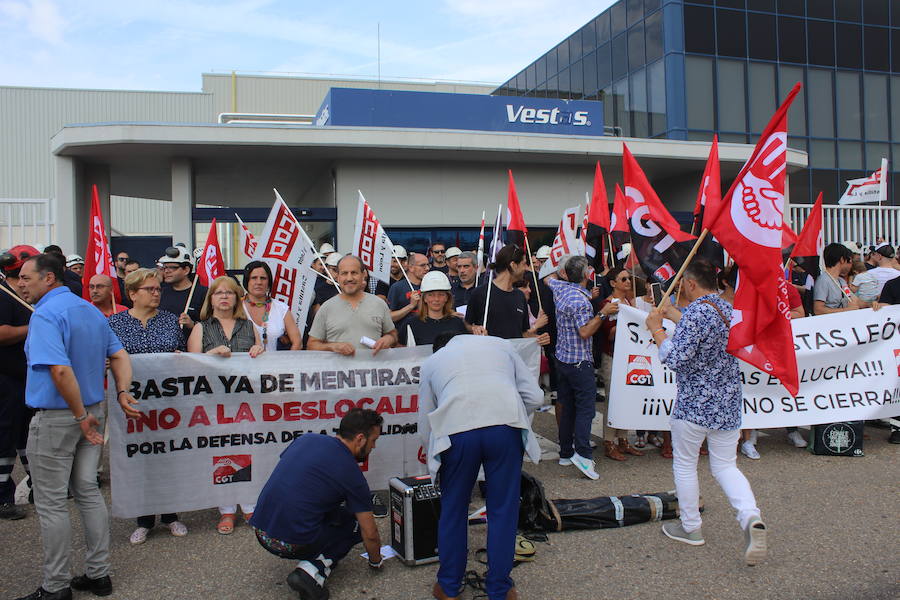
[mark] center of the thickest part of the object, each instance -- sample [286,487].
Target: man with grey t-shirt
[345,321]
[831,293]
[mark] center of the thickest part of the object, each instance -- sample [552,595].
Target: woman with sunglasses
[272,318]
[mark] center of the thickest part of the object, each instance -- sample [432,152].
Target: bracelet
[81,418]
[120,392]
[376,565]
[661,329]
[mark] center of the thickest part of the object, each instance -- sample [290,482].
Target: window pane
[636,58]
[699,30]
[848,10]
[763,43]
[620,56]
[657,97]
[792,39]
[639,104]
[700,136]
[825,180]
[617,18]
[849,45]
[650,6]
[654,36]
[552,66]
[895,13]
[604,69]
[875,90]
[874,153]
[895,107]
[821,111]
[797,143]
[876,45]
[564,87]
[734,138]
[575,47]
[739,4]
[767,5]
[553,87]
[590,75]
[821,42]
[875,12]
[848,114]
[635,11]
[562,55]
[762,84]
[698,78]
[540,71]
[731,96]
[895,47]
[588,38]
[798,188]
[821,154]
[603,28]
[609,107]
[792,7]
[529,78]
[787,78]
[850,155]
[821,10]
[620,95]
[576,80]
[731,33]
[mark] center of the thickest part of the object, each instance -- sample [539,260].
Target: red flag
[648,204]
[811,241]
[98,257]
[619,222]
[210,266]
[515,222]
[750,225]
[709,200]
[595,231]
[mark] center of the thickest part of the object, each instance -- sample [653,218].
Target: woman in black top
[435,313]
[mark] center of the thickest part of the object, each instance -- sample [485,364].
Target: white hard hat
[453,251]
[74,259]
[543,252]
[400,252]
[198,252]
[435,281]
[176,254]
[326,248]
[333,259]
[852,247]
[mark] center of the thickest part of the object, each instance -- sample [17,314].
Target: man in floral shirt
[707,405]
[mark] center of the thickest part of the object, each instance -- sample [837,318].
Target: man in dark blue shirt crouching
[300,515]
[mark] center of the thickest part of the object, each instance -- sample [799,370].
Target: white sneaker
[178,528]
[586,466]
[796,439]
[755,537]
[139,536]
[565,462]
[749,450]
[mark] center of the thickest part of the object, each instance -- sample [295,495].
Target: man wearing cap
[101,291]
[75,264]
[438,253]
[14,414]
[885,265]
[403,299]
[398,264]
[452,257]
[176,266]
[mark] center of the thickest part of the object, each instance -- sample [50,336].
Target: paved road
[835,534]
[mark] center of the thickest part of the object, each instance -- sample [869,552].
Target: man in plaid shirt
[576,324]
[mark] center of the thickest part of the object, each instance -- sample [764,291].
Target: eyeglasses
[438,251]
[122,259]
[151,290]
[222,293]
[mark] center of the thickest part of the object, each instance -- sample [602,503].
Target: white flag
[371,243]
[867,189]
[565,242]
[248,242]
[288,251]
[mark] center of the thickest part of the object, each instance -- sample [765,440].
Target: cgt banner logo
[640,370]
[231,469]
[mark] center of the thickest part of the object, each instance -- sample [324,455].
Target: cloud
[40,17]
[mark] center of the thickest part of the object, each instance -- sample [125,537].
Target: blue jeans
[577,393]
[499,448]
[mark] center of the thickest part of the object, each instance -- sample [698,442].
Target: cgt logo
[547,116]
[640,370]
[231,469]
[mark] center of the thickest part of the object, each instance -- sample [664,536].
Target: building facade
[686,69]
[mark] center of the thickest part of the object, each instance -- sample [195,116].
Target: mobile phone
[656,290]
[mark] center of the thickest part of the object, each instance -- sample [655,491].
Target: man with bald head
[100,288]
[402,298]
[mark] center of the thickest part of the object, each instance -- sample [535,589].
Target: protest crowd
[66,334]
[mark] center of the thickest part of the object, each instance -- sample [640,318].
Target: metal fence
[26,221]
[863,224]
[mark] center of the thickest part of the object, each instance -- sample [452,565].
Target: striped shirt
[242,336]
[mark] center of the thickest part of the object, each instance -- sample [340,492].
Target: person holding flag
[176,266]
[272,318]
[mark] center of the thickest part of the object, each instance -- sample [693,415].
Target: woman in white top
[271,318]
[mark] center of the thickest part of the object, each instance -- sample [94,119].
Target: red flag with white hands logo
[371,243]
[515,222]
[98,257]
[811,242]
[210,266]
[750,226]
[248,242]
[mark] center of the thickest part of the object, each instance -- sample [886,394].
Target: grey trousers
[61,460]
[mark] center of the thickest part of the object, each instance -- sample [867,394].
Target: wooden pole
[533,274]
[191,295]
[687,261]
[16,297]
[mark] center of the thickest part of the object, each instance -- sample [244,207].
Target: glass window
[787,78]
[848,10]
[895,107]
[590,76]
[821,10]
[540,70]
[849,118]
[529,78]
[763,42]
[766,5]
[698,83]
[604,68]
[617,18]
[792,39]
[699,30]
[874,153]
[635,11]
[849,45]
[520,84]
[576,80]
[638,106]
[602,24]
[636,56]
[552,66]
[541,91]
[562,55]
[620,56]
[620,95]
[553,87]
[825,180]
[875,92]
[762,89]
[575,50]
[739,4]
[821,154]
[731,96]
[876,45]
[731,33]
[656,97]
[564,84]
[650,6]
[821,42]
[820,94]
[654,36]
[792,7]
[895,15]
[588,38]
[895,47]
[797,143]
[798,188]
[609,107]
[700,136]
[875,12]
[734,138]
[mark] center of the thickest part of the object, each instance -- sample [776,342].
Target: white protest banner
[867,189]
[849,365]
[371,243]
[212,429]
[287,250]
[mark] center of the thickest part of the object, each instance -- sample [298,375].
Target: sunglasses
[438,251]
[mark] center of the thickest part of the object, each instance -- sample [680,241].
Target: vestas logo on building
[547,116]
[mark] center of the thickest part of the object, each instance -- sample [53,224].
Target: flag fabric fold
[515,222]
[248,242]
[565,242]
[597,228]
[98,256]
[619,233]
[811,241]
[709,199]
[646,202]
[371,243]
[210,265]
[480,254]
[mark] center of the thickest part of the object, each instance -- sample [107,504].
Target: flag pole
[191,295]
[479,253]
[684,265]
[405,276]
[16,297]
[487,300]
[533,274]
[319,257]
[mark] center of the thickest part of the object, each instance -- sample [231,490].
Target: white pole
[487,300]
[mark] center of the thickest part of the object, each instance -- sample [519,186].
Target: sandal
[666,452]
[247,517]
[655,440]
[640,442]
[226,524]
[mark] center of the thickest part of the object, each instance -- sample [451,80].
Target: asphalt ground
[834,533]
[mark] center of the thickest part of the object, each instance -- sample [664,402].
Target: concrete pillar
[182,201]
[71,211]
[94,175]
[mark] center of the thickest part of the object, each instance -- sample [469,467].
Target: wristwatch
[81,418]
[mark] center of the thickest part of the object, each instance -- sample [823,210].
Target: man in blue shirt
[301,515]
[67,345]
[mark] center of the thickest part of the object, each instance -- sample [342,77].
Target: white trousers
[686,440]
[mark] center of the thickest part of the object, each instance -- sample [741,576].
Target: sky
[167,44]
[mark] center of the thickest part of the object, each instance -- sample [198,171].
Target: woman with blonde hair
[224,328]
[435,314]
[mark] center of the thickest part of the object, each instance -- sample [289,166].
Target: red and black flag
[810,242]
[515,223]
[596,239]
[619,231]
[709,200]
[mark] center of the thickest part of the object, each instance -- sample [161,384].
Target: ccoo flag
[565,242]
[248,242]
[371,244]
[98,257]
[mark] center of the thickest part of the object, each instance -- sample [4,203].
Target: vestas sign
[430,110]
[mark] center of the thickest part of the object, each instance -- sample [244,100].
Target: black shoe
[102,586]
[378,507]
[894,438]
[302,582]
[41,594]
[11,512]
